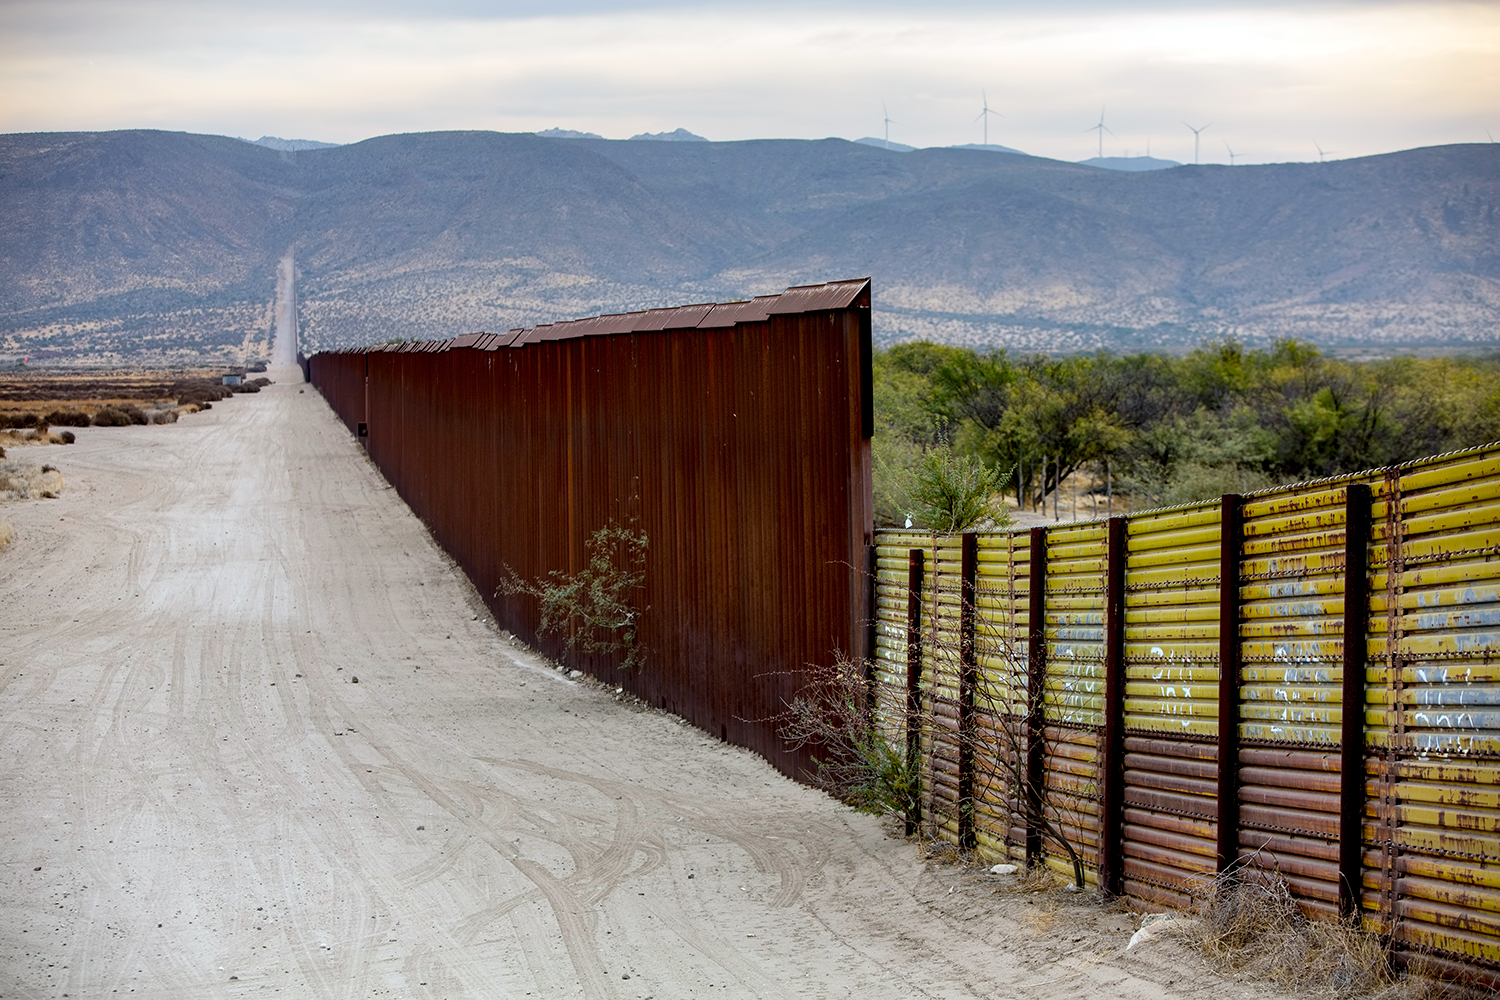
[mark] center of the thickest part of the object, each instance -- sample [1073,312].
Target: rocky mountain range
[163,246]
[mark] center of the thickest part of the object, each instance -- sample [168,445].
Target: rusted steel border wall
[736,437]
[1367,773]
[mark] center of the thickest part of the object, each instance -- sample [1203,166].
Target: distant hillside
[164,245]
[291,145]
[1129,163]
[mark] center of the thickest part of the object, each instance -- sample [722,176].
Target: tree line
[1160,429]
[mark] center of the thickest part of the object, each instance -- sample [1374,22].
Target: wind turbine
[1232,153]
[1197,133]
[888,124]
[1323,152]
[985,114]
[1101,128]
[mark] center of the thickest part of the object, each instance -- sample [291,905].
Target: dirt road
[258,736]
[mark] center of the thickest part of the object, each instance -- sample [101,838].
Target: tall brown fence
[1126,659]
[735,436]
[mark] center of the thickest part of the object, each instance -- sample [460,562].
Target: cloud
[1359,78]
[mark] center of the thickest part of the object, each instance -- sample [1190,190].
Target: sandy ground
[257,736]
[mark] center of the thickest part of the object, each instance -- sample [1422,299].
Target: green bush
[594,608]
[948,493]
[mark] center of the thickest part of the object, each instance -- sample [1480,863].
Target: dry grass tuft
[940,852]
[30,437]
[7,534]
[1249,923]
[24,481]
[1038,878]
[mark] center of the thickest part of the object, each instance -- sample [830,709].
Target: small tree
[949,493]
[595,608]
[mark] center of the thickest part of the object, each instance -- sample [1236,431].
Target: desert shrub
[135,413]
[198,396]
[20,420]
[68,418]
[948,492]
[68,437]
[594,608]
[262,382]
[2,452]
[23,481]
[856,760]
[246,387]
[198,391]
[110,416]
[164,417]
[7,534]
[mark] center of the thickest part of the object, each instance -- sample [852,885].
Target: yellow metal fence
[1088,661]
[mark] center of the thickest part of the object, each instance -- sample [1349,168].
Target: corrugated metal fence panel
[1073,690]
[1432,874]
[892,555]
[1448,633]
[1291,630]
[1431,713]
[739,451]
[1171,701]
[941,670]
[1172,622]
[1071,767]
[341,380]
[1002,598]
[1289,820]
[1074,684]
[1171,806]
[1292,590]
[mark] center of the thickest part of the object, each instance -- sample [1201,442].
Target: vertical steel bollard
[1352,705]
[1036,674]
[872,620]
[914,582]
[1112,749]
[1231,533]
[967,677]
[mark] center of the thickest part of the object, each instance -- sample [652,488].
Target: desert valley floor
[258,736]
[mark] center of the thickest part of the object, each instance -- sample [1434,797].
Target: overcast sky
[1275,80]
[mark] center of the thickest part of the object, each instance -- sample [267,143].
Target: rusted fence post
[915,567]
[968,675]
[1231,533]
[1352,705]
[1036,674]
[1112,748]
[872,622]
